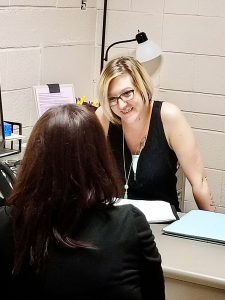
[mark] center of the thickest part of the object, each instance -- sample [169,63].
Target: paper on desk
[45,99]
[155,211]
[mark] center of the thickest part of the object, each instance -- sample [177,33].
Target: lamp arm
[119,42]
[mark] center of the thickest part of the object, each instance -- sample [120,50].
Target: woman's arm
[181,139]
[103,120]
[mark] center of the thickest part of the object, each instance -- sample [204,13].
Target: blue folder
[199,225]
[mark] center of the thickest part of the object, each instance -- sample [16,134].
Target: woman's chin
[129,117]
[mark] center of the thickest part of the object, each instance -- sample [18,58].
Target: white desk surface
[189,260]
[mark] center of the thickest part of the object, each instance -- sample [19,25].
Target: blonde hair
[116,67]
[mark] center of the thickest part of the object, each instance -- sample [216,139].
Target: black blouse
[157,165]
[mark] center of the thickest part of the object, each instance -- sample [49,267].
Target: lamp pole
[103,34]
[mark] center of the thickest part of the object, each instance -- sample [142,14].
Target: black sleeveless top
[157,165]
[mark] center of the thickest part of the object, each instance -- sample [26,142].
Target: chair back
[7,179]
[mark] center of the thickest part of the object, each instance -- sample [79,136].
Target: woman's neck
[137,131]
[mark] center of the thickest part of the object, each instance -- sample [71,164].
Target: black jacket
[125,264]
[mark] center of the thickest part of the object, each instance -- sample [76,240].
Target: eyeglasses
[126,96]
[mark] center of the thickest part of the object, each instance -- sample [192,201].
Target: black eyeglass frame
[113,101]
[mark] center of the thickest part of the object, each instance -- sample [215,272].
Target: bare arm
[181,139]
[103,120]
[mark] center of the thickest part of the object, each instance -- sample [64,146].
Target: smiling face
[127,111]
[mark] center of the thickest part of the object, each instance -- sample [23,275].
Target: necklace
[136,155]
[135,158]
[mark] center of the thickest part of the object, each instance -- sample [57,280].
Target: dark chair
[7,178]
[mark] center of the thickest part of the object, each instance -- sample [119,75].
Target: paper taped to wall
[47,96]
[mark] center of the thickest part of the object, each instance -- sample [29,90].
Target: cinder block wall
[191,72]
[44,41]
[49,41]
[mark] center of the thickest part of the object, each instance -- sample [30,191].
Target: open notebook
[199,225]
[155,211]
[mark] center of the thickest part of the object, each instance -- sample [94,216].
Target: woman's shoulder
[129,212]
[171,116]
[132,219]
[127,208]
[169,110]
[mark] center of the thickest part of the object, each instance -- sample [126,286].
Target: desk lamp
[146,49]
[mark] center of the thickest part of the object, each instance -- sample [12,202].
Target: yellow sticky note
[95,103]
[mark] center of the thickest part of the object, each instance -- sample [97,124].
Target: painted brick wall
[49,41]
[44,41]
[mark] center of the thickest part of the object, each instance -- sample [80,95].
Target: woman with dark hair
[60,233]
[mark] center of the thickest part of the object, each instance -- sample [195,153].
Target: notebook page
[155,211]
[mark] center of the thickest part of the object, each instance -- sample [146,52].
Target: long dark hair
[67,169]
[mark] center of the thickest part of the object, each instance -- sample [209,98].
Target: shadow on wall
[153,65]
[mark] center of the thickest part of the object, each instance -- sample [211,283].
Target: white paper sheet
[45,99]
[155,211]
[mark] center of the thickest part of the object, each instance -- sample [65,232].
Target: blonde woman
[149,138]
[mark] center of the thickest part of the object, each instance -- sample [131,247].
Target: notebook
[199,225]
[155,211]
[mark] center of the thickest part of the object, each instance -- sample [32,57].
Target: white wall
[44,41]
[49,41]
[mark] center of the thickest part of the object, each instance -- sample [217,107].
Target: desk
[193,270]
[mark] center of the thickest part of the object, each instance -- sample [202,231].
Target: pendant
[126,188]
